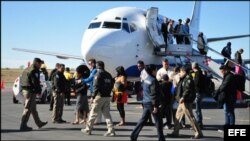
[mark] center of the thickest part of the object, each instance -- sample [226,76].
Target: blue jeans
[198,112]
[229,114]
[147,111]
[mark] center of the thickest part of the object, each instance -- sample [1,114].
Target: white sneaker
[221,131]
[109,134]
[85,131]
[167,127]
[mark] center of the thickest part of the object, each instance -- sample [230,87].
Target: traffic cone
[2,84]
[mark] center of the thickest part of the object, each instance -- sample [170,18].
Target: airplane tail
[195,19]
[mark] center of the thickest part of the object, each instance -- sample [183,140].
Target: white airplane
[124,35]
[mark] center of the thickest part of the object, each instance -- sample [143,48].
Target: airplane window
[113,25]
[125,27]
[94,25]
[132,27]
[118,18]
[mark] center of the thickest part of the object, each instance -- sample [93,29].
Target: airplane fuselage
[120,38]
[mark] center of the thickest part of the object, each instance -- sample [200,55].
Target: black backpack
[108,83]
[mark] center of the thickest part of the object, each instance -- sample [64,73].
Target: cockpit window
[125,27]
[132,27]
[94,25]
[114,25]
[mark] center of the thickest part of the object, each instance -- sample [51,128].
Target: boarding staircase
[186,50]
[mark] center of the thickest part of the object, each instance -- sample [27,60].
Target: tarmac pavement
[11,115]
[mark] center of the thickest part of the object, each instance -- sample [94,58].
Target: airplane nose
[99,52]
[95,49]
[87,43]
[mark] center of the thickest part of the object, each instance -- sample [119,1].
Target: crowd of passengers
[165,92]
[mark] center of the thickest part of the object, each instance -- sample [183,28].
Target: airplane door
[154,32]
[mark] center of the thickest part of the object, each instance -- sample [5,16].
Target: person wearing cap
[164,70]
[199,84]
[238,58]
[178,30]
[185,94]
[30,84]
[226,52]
[227,94]
[166,100]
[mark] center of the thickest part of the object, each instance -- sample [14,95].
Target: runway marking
[136,113]
[241,120]
[207,118]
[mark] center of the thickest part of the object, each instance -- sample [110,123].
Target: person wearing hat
[178,30]
[185,94]
[30,83]
[226,51]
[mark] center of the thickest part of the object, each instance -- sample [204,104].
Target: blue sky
[59,26]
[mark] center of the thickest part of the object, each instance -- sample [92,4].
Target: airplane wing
[58,55]
[226,38]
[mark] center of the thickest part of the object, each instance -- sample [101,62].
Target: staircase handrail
[248,70]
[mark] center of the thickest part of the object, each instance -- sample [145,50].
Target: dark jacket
[58,82]
[226,52]
[30,79]
[238,58]
[151,91]
[166,97]
[185,89]
[164,28]
[227,90]
[199,82]
[81,89]
[103,83]
[52,73]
